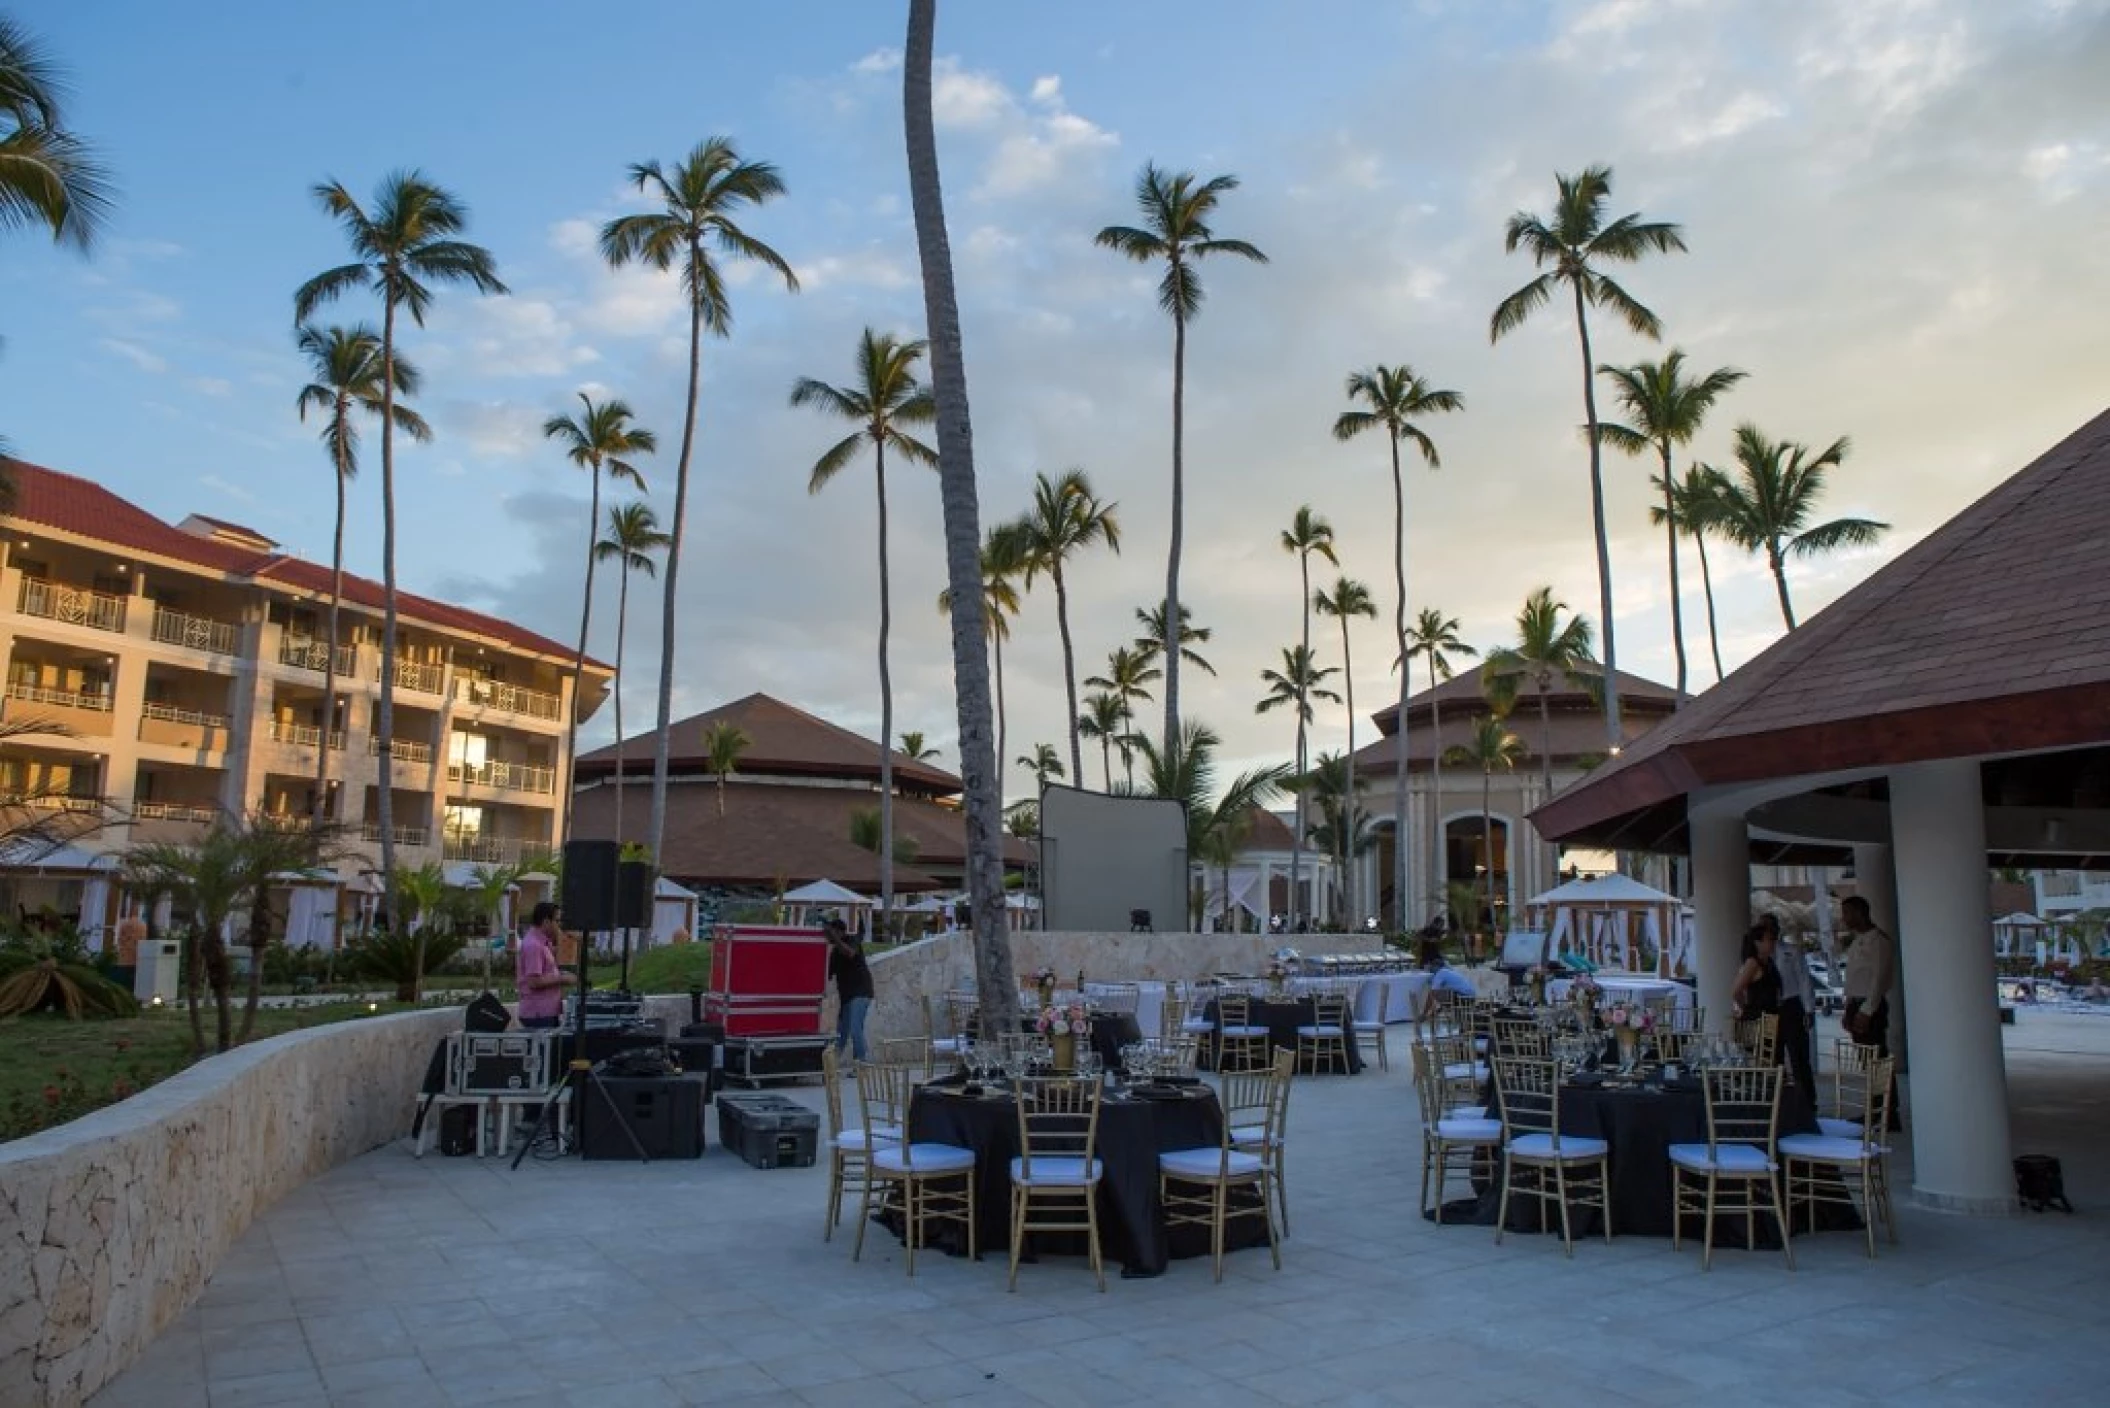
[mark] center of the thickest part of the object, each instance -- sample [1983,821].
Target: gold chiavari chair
[1538,1161]
[1851,1065]
[1448,1142]
[1055,1178]
[1760,1038]
[1194,1185]
[1734,1171]
[1372,1027]
[1325,1037]
[926,1182]
[849,1146]
[1240,1045]
[1829,1168]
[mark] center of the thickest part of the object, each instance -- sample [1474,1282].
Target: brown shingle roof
[1637,695]
[1986,637]
[1576,726]
[71,504]
[782,741]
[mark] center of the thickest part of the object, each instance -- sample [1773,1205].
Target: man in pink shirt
[541,981]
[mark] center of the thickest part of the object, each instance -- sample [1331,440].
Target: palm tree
[1307,534]
[1546,646]
[633,536]
[489,885]
[1688,507]
[1492,748]
[699,202]
[1151,643]
[981,766]
[1434,638]
[723,743]
[345,364]
[1187,774]
[1349,598]
[1002,560]
[1128,677]
[1340,830]
[884,397]
[1766,506]
[1392,398]
[1065,518]
[1296,684]
[407,245]
[1666,410]
[914,748]
[597,439]
[1104,719]
[1176,208]
[48,176]
[1043,762]
[1573,248]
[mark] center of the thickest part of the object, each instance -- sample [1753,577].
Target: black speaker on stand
[634,884]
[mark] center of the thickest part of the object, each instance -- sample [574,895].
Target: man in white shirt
[1871,968]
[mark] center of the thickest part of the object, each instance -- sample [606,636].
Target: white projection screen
[1103,856]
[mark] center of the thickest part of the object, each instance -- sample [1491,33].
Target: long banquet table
[1627,987]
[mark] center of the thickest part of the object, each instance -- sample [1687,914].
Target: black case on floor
[752,1060]
[664,1112]
[768,1131]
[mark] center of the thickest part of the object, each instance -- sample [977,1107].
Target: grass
[53,1070]
[671,968]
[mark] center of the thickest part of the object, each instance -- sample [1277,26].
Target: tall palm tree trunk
[1487,838]
[622,617]
[1069,672]
[1443,834]
[578,664]
[963,534]
[1780,585]
[1173,633]
[1545,744]
[385,722]
[1106,761]
[321,810]
[1714,638]
[1296,855]
[1604,542]
[1399,735]
[664,727]
[886,716]
[997,641]
[1348,887]
[1677,598]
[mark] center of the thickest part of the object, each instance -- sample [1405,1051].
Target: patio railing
[77,606]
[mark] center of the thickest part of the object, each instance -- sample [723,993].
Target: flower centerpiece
[1277,975]
[1629,1022]
[1045,981]
[1535,981]
[1585,993]
[1062,1026]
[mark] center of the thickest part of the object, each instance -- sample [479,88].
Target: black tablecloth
[1110,1032]
[1132,1133]
[1282,1016]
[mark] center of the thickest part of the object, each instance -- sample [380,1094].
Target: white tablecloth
[1629,987]
[1150,1004]
[1403,993]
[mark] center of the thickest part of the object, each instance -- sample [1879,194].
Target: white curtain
[1652,937]
[308,917]
[95,905]
[1563,920]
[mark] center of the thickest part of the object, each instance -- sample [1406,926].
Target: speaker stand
[579,1078]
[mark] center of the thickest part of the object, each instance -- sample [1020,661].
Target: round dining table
[1282,1016]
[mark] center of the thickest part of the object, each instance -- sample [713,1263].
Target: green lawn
[671,968]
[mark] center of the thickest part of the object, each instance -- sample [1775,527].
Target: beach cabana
[1615,921]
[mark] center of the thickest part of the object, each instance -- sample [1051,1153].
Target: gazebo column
[1960,1151]
[1721,905]
[1875,880]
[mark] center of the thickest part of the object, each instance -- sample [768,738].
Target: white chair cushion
[1243,1032]
[860,1139]
[1363,1026]
[1209,1163]
[1461,1071]
[1573,1147]
[1829,1148]
[1327,1032]
[1470,1131]
[947,1045]
[1197,1025]
[1466,1112]
[1727,1158]
[1249,1134]
[1839,1129]
[922,1158]
[1051,1172]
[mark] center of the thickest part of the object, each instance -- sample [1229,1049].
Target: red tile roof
[1987,637]
[71,504]
[782,741]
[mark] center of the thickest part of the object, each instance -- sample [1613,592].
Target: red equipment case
[767,981]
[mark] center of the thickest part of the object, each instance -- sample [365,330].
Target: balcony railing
[306,654]
[306,735]
[403,750]
[404,835]
[489,849]
[413,674]
[61,698]
[514,777]
[77,606]
[176,811]
[196,632]
[171,714]
[53,802]
[511,698]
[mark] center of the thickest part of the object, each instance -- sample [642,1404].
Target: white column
[1721,906]
[1960,1151]
[1875,880]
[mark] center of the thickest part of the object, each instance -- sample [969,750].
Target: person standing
[535,971]
[1871,968]
[853,986]
[1798,999]
[1756,992]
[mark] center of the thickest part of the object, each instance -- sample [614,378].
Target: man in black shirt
[853,985]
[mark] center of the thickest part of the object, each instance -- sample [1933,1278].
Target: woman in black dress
[1757,989]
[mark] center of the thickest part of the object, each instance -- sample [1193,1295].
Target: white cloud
[1732,118]
[520,337]
[881,60]
[211,385]
[1047,89]
[491,429]
[230,490]
[962,99]
[864,268]
[135,354]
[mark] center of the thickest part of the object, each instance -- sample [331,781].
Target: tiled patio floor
[406,1283]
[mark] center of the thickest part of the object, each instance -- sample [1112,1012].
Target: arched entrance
[1473,848]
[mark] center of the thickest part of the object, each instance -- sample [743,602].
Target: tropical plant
[699,203]
[1434,637]
[1572,248]
[409,244]
[1065,518]
[1295,685]
[1688,507]
[1105,720]
[1766,506]
[1150,644]
[1491,748]
[1666,410]
[1128,678]
[1391,400]
[1307,534]
[279,849]
[868,833]
[599,439]
[430,938]
[1043,762]
[33,984]
[1187,775]
[884,397]
[1342,829]
[723,743]
[1546,647]
[1022,819]
[488,887]
[345,366]
[914,748]
[633,538]
[1176,208]
[1002,561]
[48,175]
[1348,599]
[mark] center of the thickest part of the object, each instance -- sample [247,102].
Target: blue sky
[1895,211]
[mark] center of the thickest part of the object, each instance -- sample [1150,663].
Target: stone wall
[902,976]
[110,1224]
